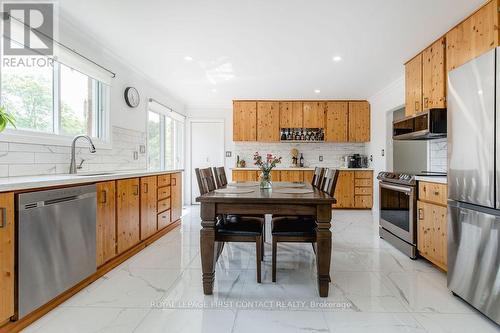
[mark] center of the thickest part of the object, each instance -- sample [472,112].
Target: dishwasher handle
[53,197]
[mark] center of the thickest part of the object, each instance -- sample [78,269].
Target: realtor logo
[28,29]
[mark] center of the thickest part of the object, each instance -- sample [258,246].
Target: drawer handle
[104,196]
[136,190]
[436,192]
[417,106]
[174,181]
[426,102]
[4,217]
[420,214]
[145,187]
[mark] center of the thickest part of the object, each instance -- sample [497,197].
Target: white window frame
[103,124]
[165,112]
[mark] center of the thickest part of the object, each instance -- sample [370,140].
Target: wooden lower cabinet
[344,192]
[291,175]
[127,213]
[308,176]
[7,250]
[354,190]
[106,222]
[432,233]
[244,175]
[148,206]
[176,196]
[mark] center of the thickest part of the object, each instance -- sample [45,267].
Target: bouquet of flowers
[265,167]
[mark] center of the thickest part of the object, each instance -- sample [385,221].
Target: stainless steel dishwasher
[56,244]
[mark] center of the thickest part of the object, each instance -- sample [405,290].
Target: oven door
[397,211]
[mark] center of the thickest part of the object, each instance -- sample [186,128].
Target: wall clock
[132,97]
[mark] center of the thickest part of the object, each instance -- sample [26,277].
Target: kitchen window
[56,99]
[165,138]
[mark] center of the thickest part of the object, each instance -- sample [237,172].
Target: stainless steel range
[398,202]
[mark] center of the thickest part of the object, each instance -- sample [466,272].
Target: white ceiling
[272,49]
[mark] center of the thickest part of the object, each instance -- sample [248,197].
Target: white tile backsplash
[19,159]
[332,152]
[438,150]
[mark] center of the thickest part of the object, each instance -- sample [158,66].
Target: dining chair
[234,228]
[299,229]
[318,177]
[220,176]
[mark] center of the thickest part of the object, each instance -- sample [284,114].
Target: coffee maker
[355,161]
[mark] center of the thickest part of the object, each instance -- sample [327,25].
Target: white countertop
[34,182]
[432,179]
[299,169]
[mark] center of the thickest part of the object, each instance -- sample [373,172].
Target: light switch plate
[142,149]
[136,155]
[321,158]
[228,154]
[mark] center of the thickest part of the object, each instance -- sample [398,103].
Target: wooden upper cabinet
[245,121]
[268,121]
[148,206]
[7,250]
[413,86]
[336,122]
[434,76]
[359,121]
[314,114]
[291,115]
[473,37]
[106,221]
[176,196]
[127,213]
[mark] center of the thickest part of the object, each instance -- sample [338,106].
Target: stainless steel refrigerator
[474,183]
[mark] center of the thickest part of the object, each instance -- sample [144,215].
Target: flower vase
[265,180]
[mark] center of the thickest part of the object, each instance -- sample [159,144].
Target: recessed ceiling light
[188,58]
[337,58]
[317,91]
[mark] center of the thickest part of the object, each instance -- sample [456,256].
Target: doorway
[207,148]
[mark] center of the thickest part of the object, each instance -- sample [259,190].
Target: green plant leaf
[3,123]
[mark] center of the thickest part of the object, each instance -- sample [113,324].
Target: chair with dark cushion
[299,229]
[234,228]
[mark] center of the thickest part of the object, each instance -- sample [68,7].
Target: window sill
[48,139]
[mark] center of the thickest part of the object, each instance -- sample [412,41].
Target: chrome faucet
[72,166]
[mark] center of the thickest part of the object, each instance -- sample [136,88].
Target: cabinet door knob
[104,195]
[136,189]
[426,102]
[3,223]
[420,214]
[417,106]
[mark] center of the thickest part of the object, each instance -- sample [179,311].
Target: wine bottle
[301,160]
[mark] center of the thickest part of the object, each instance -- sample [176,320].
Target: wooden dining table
[317,204]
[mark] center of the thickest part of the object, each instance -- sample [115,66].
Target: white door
[207,149]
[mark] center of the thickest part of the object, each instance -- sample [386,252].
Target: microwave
[428,125]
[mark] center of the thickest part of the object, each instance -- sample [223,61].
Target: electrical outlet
[321,158]
[142,149]
[136,155]
[383,152]
[228,154]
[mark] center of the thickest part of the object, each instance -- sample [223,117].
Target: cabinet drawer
[433,192]
[363,182]
[163,180]
[163,192]
[363,174]
[163,219]
[363,201]
[163,205]
[363,191]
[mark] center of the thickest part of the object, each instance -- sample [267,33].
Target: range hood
[428,125]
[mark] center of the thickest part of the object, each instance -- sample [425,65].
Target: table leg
[208,248]
[324,248]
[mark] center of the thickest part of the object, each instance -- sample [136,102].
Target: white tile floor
[374,289]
